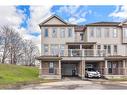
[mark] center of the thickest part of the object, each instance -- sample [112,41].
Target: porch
[115,67]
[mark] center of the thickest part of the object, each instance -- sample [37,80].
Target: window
[62,33]
[69,32]
[114,33]
[98,46]
[105,47]
[54,32]
[125,32]
[91,32]
[54,49]
[109,67]
[98,51]
[109,49]
[81,36]
[62,46]
[51,67]
[46,49]
[98,32]
[107,32]
[46,32]
[115,48]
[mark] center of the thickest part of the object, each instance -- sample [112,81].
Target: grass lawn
[18,75]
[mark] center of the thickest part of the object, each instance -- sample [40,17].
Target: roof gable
[53,20]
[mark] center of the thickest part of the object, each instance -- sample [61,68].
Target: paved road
[78,84]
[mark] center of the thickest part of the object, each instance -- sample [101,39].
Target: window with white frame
[115,48]
[91,32]
[98,32]
[114,32]
[54,32]
[107,32]
[69,32]
[125,32]
[107,48]
[81,36]
[62,32]
[62,47]
[45,32]
[46,49]
[54,49]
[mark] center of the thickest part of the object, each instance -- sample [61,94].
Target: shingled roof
[104,23]
[79,28]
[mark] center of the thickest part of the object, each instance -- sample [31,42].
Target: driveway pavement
[78,84]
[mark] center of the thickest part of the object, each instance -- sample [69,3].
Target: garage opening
[94,69]
[70,68]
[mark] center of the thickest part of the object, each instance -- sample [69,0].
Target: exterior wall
[44,71]
[103,39]
[78,37]
[58,40]
[122,48]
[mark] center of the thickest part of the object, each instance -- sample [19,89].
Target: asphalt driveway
[78,84]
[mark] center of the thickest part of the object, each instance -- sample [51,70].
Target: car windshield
[90,69]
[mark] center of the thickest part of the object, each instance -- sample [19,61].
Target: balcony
[77,52]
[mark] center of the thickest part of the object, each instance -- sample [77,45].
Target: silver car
[90,73]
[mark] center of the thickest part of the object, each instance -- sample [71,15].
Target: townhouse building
[67,49]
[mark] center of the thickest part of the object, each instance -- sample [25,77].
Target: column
[124,67]
[40,69]
[59,68]
[94,50]
[83,69]
[81,51]
[106,67]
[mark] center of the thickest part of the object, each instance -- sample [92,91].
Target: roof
[55,16]
[104,24]
[79,28]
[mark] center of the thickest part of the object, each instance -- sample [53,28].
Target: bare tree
[30,52]
[15,49]
[5,41]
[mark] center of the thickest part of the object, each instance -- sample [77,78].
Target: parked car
[91,72]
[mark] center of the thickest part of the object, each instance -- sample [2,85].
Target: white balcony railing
[77,52]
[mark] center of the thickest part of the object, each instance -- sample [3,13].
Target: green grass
[12,74]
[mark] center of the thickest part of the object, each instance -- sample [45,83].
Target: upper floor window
[46,32]
[46,48]
[54,49]
[125,32]
[54,32]
[62,47]
[81,36]
[62,33]
[114,32]
[91,32]
[98,46]
[69,32]
[98,32]
[115,48]
[106,30]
